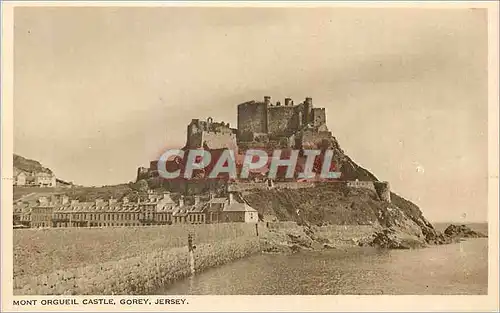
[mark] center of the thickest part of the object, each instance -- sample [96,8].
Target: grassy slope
[80,193]
[341,206]
[316,205]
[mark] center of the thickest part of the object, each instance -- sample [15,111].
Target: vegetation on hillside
[326,204]
[28,165]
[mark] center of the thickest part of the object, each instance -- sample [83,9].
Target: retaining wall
[124,260]
[136,275]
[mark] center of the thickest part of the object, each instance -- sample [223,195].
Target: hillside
[28,165]
[326,204]
[346,206]
[77,192]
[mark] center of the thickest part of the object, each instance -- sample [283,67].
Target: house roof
[20,173]
[44,174]
[166,208]
[20,207]
[239,207]
[217,200]
[186,209]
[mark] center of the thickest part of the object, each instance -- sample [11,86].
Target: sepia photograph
[164,152]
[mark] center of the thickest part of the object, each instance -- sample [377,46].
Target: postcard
[249,156]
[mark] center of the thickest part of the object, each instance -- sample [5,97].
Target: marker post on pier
[191,248]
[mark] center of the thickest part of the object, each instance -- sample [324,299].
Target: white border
[265,303]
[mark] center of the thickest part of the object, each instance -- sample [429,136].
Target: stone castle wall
[311,139]
[219,140]
[252,118]
[384,191]
[216,135]
[318,116]
[256,119]
[282,121]
[361,184]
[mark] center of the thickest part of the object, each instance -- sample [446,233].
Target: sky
[99,92]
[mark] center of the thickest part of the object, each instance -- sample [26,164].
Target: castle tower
[267,100]
[252,118]
[384,191]
[308,105]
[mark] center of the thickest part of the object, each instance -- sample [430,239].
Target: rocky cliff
[327,204]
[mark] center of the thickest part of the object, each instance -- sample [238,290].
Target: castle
[261,124]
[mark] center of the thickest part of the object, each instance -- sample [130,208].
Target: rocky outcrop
[292,237]
[462,231]
[338,205]
[401,218]
[392,239]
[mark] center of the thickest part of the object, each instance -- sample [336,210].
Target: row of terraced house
[153,209]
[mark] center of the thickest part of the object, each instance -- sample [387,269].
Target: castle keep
[281,125]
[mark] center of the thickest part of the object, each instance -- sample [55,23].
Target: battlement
[264,121]
[214,135]
[210,126]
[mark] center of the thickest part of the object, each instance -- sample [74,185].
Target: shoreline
[321,272]
[154,267]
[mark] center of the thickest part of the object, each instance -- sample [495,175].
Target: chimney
[309,101]
[288,102]
[181,201]
[196,200]
[74,202]
[111,201]
[231,198]
[211,196]
[125,200]
[267,100]
[99,202]
[43,200]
